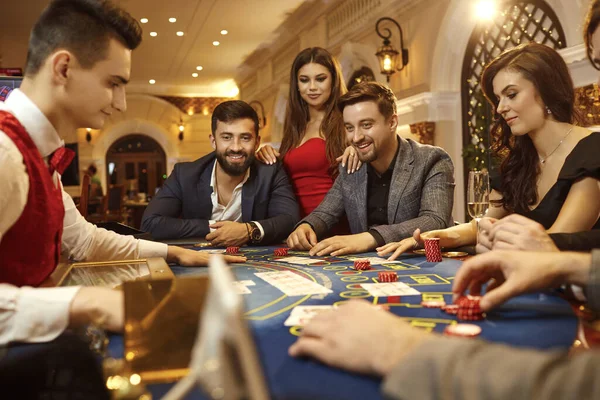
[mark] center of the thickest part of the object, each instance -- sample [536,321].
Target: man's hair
[370,91]
[83,27]
[229,111]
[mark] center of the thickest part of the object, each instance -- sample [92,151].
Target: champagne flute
[478,195]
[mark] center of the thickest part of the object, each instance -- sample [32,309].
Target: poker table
[540,320]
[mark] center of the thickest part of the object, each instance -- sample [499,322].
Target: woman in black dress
[550,170]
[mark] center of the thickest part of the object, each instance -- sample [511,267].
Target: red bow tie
[60,160]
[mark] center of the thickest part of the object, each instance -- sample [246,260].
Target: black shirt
[378,190]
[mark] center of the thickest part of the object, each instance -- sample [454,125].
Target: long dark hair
[520,169]
[297,116]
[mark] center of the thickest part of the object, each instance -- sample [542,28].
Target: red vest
[30,249]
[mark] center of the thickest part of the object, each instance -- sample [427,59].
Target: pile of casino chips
[387,276]
[232,250]
[362,265]
[469,309]
[466,309]
[281,252]
[433,251]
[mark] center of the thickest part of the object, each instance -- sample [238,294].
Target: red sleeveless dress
[30,249]
[308,169]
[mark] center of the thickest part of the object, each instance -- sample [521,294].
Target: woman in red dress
[314,140]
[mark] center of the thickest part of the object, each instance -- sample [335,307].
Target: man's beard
[365,158]
[234,169]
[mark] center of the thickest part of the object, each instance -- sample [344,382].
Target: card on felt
[302,314]
[389,289]
[292,284]
[300,260]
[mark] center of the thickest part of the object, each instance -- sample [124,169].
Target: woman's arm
[581,209]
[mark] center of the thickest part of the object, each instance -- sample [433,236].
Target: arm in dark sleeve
[452,368]
[162,217]
[283,212]
[437,198]
[329,212]
[580,241]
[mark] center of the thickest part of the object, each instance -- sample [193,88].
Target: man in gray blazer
[404,186]
[226,196]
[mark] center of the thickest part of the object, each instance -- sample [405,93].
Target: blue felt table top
[541,320]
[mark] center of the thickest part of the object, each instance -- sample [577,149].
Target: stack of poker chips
[232,250]
[362,265]
[469,309]
[281,252]
[387,276]
[433,251]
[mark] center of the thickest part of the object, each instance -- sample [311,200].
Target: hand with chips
[359,337]
[512,273]
[514,232]
[456,236]
[192,258]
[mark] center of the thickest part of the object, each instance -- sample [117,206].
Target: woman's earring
[548,110]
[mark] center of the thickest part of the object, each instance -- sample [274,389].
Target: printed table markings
[425,279]
[355,294]
[357,278]
[433,297]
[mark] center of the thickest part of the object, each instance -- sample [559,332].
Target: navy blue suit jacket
[183,206]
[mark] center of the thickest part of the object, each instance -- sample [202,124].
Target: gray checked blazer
[421,195]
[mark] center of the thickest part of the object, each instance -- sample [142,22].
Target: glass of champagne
[478,195]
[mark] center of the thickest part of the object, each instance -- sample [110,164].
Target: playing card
[302,314]
[292,284]
[389,289]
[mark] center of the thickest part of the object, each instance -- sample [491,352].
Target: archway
[137,162]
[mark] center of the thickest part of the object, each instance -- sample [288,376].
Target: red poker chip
[451,309]
[433,303]
[232,250]
[281,252]
[387,276]
[362,265]
[462,330]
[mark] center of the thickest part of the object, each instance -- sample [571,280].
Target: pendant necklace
[543,160]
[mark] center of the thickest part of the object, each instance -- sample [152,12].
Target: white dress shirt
[233,210]
[38,315]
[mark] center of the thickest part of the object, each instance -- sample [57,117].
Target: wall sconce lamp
[387,54]
[180,136]
[262,121]
[88,135]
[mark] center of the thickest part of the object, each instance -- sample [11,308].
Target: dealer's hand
[358,337]
[228,233]
[345,244]
[100,306]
